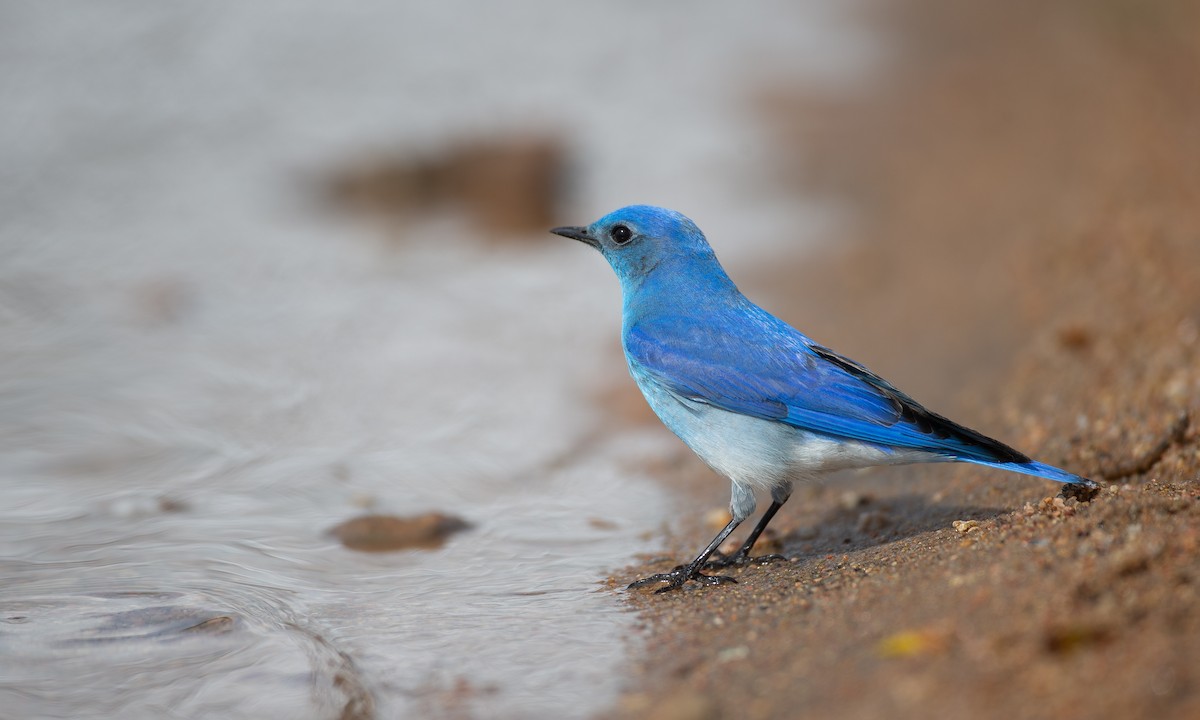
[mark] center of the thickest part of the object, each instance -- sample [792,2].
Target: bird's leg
[742,557]
[680,575]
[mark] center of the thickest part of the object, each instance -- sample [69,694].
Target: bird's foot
[678,577]
[741,558]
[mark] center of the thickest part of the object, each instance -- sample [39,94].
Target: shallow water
[199,375]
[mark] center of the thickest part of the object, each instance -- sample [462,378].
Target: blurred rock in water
[385,533]
[507,185]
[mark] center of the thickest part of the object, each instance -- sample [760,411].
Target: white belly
[763,453]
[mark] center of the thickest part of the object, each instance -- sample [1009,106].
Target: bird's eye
[620,234]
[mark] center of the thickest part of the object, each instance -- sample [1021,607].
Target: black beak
[577,233]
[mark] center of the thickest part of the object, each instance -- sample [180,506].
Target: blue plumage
[757,400]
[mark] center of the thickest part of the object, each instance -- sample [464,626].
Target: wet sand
[1025,258]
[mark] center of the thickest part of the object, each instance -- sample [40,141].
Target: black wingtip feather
[928,422]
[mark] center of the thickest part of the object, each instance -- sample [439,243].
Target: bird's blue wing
[754,364]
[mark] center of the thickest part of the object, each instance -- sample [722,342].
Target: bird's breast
[743,448]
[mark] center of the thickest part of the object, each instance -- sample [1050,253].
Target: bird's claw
[678,577]
[742,559]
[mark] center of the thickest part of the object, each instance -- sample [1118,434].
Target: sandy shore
[1026,259]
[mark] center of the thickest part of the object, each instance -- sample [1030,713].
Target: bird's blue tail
[1040,470]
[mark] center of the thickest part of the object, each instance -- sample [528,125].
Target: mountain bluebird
[759,402]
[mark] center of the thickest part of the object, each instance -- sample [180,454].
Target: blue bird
[758,401]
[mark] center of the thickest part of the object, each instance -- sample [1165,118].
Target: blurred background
[277,291]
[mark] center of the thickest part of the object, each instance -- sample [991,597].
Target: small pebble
[912,643]
[386,533]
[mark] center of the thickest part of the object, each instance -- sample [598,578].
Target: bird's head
[641,239]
